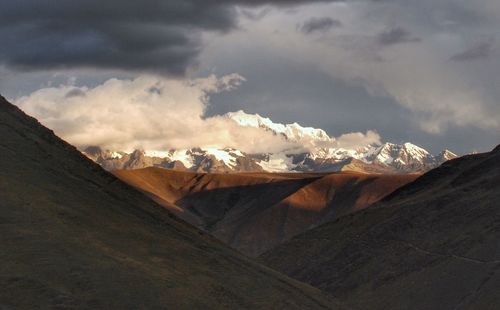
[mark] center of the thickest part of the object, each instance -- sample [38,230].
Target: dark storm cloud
[479,51]
[149,35]
[395,36]
[319,24]
[75,92]
[255,16]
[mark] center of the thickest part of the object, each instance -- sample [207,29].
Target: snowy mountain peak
[412,148]
[446,155]
[293,132]
[398,155]
[415,152]
[254,120]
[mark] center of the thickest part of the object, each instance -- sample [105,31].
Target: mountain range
[319,153]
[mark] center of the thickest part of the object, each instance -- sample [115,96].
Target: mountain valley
[254,212]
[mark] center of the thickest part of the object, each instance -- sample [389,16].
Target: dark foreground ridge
[432,244]
[74,236]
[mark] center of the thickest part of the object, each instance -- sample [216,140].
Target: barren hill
[432,244]
[254,212]
[74,236]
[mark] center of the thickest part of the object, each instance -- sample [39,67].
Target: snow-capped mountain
[386,158]
[323,154]
[209,160]
[293,132]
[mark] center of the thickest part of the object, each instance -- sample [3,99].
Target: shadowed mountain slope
[432,244]
[254,212]
[74,236]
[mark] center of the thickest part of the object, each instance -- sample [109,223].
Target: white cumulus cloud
[156,113]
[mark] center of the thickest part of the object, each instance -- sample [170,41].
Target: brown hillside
[254,212]
[75,237]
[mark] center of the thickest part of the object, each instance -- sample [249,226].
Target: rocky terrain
[319,153]
[432,244]
[74,236]
[254,212]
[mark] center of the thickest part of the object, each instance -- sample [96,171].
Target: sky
[158,74]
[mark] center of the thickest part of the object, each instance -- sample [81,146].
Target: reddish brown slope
[254,212]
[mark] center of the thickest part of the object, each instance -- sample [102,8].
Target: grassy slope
[73,235]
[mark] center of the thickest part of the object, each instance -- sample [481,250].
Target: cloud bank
[157,113]
[322,24]
[149,35]
[440,67]
[424,71]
